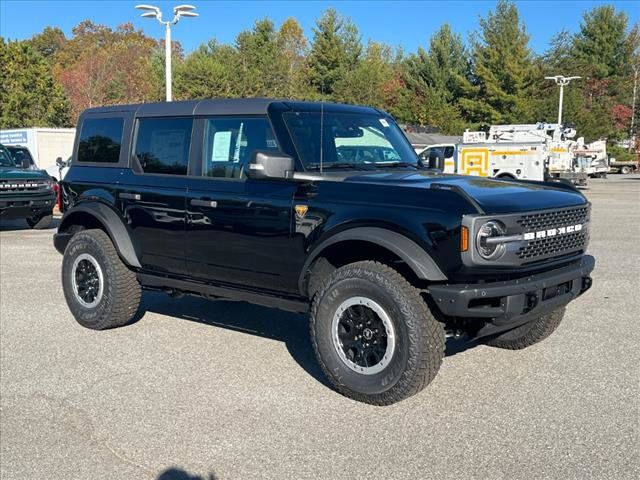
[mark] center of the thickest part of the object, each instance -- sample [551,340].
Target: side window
[100,140]
[162,145]
[230,142]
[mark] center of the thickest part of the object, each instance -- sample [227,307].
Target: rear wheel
[528,334]
[100,290]
[626,170]
[374,335]
[41,222]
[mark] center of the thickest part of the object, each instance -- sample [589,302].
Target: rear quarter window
[100,140]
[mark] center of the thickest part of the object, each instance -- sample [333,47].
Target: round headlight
[487,249]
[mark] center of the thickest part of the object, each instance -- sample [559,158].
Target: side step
[288,303]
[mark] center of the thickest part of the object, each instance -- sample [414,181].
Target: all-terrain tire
[419,337]
[121,290]
[40,223]
[528,334]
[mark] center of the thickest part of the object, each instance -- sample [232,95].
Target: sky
[406,24]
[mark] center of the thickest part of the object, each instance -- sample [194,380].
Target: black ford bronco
[24,192]
[322,208]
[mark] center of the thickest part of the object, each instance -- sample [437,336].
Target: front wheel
[528,334]
[373,334]
[626,170]
[100,290]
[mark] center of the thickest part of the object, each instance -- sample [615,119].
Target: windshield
[5,158]
[21,157]
[349,141]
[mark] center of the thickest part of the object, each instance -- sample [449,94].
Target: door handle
[130,196]
[204,203]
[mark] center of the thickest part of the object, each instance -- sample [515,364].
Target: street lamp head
[561,79]
[148,7]
[183,8]
[183,11]
[150,15]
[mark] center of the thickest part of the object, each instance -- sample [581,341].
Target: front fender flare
[112,223]
[409,251]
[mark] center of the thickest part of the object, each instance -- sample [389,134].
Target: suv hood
[490,195]
[21,173]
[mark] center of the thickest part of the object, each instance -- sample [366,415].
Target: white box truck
[44,144]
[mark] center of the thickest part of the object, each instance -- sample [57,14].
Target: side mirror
[271,165]
[59,162]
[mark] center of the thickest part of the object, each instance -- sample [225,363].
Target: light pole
[179,11]
[562,81]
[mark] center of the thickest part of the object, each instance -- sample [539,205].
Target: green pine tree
[336,50]
[438,79]
[30,96]
[601,46]
[503,70]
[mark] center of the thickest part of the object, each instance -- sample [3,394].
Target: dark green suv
[25,193]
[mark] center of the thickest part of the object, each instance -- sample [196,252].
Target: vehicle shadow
[21,224]
[290,328]
[175,473]
[455,346]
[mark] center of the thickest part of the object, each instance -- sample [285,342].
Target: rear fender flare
[112,224]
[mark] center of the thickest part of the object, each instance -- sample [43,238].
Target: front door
[239,230]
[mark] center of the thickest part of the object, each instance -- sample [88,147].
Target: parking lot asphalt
[222,390]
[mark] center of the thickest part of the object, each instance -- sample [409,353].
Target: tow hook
[586,284]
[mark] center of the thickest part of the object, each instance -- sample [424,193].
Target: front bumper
[26,206]
[509,304]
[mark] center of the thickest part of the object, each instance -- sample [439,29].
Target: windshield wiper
[340,165]
[397,164]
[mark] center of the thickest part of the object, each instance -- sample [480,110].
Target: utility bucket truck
[540,151]
[592,158]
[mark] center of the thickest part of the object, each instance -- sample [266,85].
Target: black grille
[554,219]
[554,246]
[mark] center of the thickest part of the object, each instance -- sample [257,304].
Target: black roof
[227,106]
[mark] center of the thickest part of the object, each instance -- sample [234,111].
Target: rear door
[152,193]
[238,229]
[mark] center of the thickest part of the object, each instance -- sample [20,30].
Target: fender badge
[301,211]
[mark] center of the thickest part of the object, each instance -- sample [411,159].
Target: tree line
[450,84]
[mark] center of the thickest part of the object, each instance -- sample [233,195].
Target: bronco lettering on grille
[552,232]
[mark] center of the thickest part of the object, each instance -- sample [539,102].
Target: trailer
[46,145]
[623,167]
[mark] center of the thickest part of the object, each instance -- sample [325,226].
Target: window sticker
[384,123]
[221,147]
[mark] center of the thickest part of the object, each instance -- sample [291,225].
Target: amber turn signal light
[464,239]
